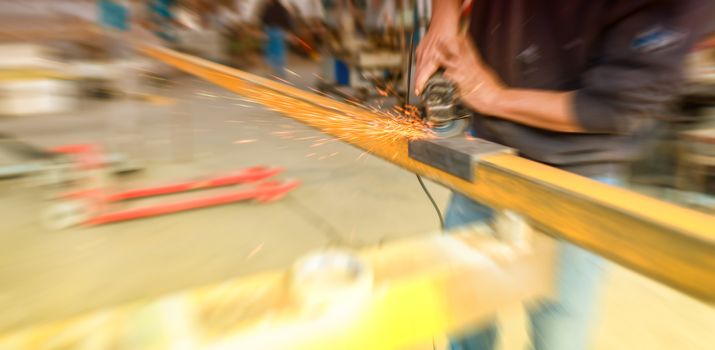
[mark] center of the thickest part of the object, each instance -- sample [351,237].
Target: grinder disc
[451,128]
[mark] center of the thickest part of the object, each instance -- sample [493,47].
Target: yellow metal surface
[419,290]
[10,75]
[672,244]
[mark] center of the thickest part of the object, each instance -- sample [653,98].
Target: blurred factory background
[83,115]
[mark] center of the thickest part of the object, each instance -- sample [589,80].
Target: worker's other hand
[427,60]
[479,87]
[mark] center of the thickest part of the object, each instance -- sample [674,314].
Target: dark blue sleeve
[638,69]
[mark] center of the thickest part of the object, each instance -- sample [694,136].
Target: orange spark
[292,72]
[244,141]
[254,251]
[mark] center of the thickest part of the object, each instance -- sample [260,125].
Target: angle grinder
[442,111]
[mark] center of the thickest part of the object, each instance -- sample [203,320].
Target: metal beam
[669,243]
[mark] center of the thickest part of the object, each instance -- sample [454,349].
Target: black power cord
[434,204]
[406,101]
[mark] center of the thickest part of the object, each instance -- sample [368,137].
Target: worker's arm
[482,90]
[637,73]
[551,110]
[443,27]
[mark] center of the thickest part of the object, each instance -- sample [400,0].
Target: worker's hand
[479,87]
[427,60]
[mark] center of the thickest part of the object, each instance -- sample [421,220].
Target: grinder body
[443,114]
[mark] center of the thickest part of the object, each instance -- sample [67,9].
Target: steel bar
[240,177]
[669,243]
[264,193]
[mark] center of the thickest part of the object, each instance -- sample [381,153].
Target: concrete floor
[345,199]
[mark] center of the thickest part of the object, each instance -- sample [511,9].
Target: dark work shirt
[275,15]
[622,58]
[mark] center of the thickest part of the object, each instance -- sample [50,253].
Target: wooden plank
[672,244]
